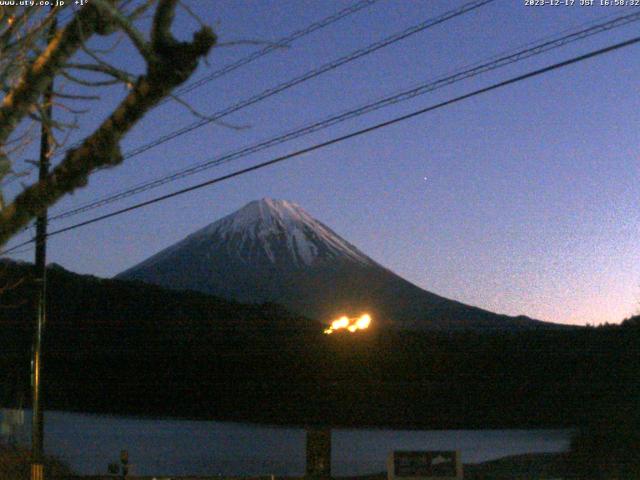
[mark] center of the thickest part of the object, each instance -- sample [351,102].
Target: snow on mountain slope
[305,237]
[274,251]
[263,228]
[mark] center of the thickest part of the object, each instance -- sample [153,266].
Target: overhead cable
[421,89]
[342,138]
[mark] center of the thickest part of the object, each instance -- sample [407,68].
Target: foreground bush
[15,464]
[608,446]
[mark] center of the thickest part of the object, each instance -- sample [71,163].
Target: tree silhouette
[32,53]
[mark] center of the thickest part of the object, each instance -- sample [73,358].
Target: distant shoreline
[533,465]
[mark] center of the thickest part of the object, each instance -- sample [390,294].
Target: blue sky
[520,201]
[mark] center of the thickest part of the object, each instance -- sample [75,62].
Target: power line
[421,89]
[302,78]
[307,76]
[276,45]
[310,74]
[284,41]
[357,133]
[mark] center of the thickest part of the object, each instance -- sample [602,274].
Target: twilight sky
[521,201]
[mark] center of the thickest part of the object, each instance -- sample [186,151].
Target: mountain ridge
[282,215]
[274,251]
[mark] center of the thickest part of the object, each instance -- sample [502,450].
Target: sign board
[427,465]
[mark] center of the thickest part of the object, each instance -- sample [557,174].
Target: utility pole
[46,143]
[318,453]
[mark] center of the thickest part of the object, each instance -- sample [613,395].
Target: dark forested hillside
[122,347]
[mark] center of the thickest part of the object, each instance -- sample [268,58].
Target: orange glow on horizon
[354,324]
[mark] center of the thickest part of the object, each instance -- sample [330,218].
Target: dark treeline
[127,348]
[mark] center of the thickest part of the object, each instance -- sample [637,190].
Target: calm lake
[180,447]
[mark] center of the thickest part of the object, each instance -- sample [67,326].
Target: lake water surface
[181,447]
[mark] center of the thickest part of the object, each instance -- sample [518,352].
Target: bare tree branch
[192,14]
[31,85]
[116,73]
[88,83]
[198,114]
[127,26]
[171,63]
[141,9]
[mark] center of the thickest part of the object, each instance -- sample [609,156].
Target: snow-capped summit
[265,226]
[274,251]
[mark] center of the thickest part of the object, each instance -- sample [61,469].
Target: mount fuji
[274,251]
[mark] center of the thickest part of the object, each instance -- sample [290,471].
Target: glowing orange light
[351,324]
